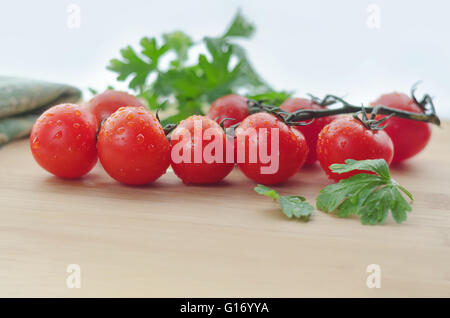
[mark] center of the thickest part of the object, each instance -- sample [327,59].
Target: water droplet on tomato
[76,125]
[130,123]
[58,134]
[140,139]
[293,136]
[130,116]
[77,113]
[59,122]
[35,143]
[120,130]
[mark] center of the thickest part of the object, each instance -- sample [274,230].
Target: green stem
[429,114]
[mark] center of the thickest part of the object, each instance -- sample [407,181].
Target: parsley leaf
[138,67]
[370,196]
[180,43]
[268,192]
[272,97]
[296,206]
[240,27]
[291,205]
[153,100]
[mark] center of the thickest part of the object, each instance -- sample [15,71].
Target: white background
[306,46]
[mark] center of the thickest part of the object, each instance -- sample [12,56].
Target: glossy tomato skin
[133,147]
[346,138]
[62,141]
[408,136]
[292,147]
[206,171]
[104,104]
[311,131]
[229,106]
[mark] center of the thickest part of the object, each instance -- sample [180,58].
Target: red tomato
[104,104]
[311,131]
[291,154]
[208,138]
[347,138]
[133,147]
[408,136]
[229,106]
[63,141]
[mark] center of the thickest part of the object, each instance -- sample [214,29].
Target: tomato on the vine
[132,146]
[347,138]
[229,106]
[204,136]
[63,141]
[104,104]
[312,130]
[408,136]
[289,149]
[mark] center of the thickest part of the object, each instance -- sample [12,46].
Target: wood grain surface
[168,239]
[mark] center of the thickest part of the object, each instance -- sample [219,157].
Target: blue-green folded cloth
[23,100]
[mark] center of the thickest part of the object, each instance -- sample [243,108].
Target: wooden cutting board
[168,239]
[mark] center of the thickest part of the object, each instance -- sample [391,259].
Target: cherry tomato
[201,134]
[408,136]
[133,147]
[311,131]
[281,164]
[104,104]
[347,138]
[63,141]
[229,106]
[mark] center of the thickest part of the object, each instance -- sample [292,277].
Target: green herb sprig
[224,69]
[370,196]
[291,205]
